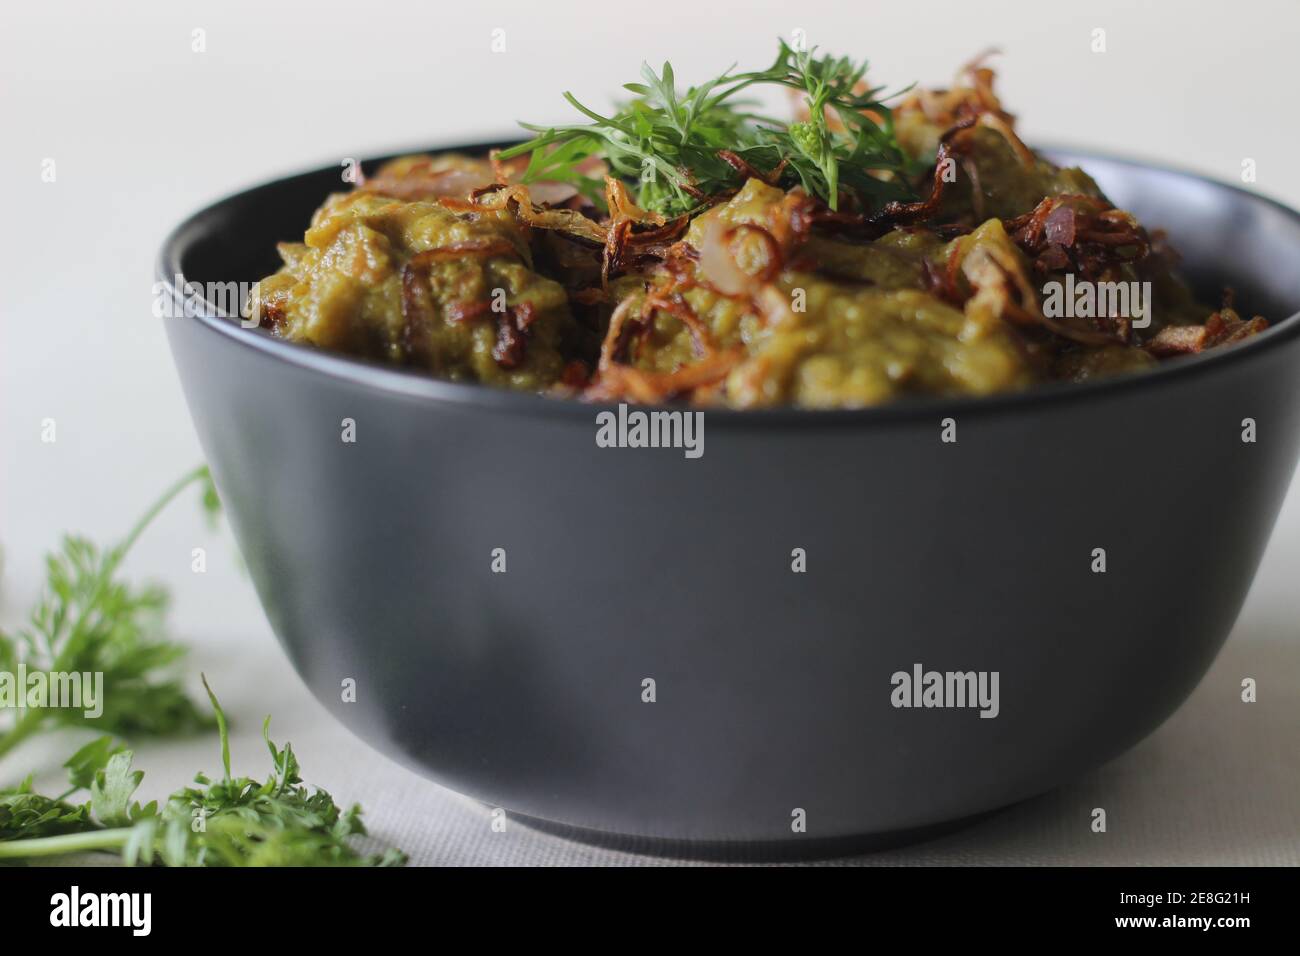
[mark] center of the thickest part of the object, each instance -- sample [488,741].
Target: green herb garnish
[232,821]
[669,143]
[90,621]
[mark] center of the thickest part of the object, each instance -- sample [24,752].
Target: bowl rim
[419,385]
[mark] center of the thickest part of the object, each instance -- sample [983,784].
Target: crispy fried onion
[512,331]
[624,381]
[978,79]
[1001,286]
[713,266]
[1221,328]
[742,166]
[432,178]
[718,266]
[1080,234]
[420,180]
[911,212]
[507,172]
[623,243]
[970,96]
[1023,152]
[971,100]
[953,147]
[519,200]
[617,380]
[419,315]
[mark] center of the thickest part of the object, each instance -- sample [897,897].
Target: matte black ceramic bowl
[773,689]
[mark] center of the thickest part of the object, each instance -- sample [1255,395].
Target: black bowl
[774,690]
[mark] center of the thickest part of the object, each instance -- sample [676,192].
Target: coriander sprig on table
[230,821]
[669,143]
[89,621]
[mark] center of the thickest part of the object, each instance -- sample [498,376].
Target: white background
[144,130]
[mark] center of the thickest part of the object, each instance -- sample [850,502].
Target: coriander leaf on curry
[686,248]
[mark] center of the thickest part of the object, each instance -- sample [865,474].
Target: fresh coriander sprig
[231,821]
[669,143]
[89,621]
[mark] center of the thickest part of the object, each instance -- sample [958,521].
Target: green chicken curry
[685,250]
